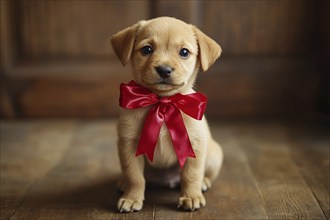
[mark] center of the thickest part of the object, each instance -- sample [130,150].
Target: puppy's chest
[164,153]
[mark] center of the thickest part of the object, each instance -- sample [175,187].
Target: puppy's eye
[184,53]
[146,50]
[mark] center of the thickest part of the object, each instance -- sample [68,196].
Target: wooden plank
[67,89]
[83,184]
[86,68]
[71,29]
[71,98]
[243,86]
[238,86]
[257,27]
[69,169]
[12,189]
[6,104]
[234,194]
[187,11]
[7,50]
[27,156]
[286,194]
[310,151]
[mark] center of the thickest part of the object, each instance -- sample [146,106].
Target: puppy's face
[165,53]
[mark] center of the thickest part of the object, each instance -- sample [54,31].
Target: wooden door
[56,59]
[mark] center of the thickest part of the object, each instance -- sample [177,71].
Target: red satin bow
[164,109]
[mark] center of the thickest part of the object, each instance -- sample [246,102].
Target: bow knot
[164,109]
[164,102]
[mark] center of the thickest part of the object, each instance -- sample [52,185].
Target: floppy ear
[123,43]
[209,50]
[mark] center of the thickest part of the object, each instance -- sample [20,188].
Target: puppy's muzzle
[164,71]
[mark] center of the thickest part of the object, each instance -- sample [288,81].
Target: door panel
[56,58]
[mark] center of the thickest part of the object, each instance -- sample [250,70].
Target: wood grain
[261,27]
[313,162]
[74,28]
[235,87]
[285,191]
[6,104]
[68,169]
[26,157]
[187,11]
[260,87]
[274,61]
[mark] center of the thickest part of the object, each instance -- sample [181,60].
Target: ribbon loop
[165,109]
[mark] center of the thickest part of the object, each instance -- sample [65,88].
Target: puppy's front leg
[134,182]
[191,183]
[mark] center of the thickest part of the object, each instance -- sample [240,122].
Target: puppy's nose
[164,71]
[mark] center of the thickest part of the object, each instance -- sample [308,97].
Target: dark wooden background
[56,59]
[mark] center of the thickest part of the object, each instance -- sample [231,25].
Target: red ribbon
[164,109]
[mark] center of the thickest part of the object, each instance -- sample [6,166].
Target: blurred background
[57,62]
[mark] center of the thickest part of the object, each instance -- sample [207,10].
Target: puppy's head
[166,53]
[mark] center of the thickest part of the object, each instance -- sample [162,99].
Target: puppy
[166,55]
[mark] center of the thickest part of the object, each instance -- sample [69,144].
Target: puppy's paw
[191,203]
[128,205]
[206,184]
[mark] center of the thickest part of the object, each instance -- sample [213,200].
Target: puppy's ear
[123,43]
[209,50]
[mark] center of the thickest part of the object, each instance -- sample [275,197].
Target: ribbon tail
[150,133]
[179,134]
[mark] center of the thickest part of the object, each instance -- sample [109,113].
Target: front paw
[129,205]
[191,203]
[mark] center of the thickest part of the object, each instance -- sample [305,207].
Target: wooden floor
[68,169]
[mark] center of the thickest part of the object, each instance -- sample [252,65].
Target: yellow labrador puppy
[166,55]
